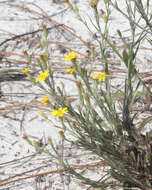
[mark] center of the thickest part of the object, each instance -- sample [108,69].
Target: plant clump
[99,123]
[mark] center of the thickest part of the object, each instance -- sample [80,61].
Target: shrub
[99,122]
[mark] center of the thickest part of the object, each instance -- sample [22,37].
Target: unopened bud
[69,4]
[35,144]
[43,44]
[94,3]
[92,53]
[43,114]
[44,30]
[87,98]
[104,17]
[27,57]
[61,133]
[79,84]
[25,136]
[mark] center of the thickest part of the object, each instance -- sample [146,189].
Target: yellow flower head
[59,112]
[45,100]
[70,70]
[42,76]
[41,112]
[100,76]
[70,56]
[26,70]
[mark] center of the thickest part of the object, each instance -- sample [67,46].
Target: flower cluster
[42,76]
[60,112]
[45,100]
[100,76]
[70,70]
[26,70]
[70,56]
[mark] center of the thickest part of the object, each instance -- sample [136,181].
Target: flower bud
[27,57]
[25,136]
[44,30]
[79,84]
[104,17]
[94,3]
[43,44]
[92,53]
[69,4]
[61,133]
[86,97]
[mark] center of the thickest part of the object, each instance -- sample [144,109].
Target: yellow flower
[41,112]
[70,56]
[26,70]
[45,100]
[70,70]
[42,76]
[100,76]
[59,112]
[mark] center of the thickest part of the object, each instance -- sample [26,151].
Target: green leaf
[43,44]
[125,57]
[119,33]
[76,9]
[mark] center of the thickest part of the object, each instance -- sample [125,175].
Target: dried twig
[28,33]
[99,164]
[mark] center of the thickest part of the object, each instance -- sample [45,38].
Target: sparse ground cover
[75,100]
